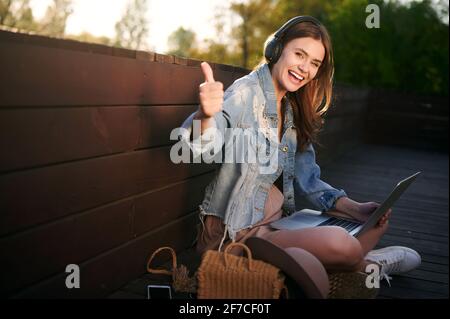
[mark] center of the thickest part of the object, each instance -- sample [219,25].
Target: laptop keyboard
[333,221]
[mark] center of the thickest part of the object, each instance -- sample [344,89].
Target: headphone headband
[273,48]
[280,32]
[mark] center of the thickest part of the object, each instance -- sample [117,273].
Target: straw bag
[181,282]
[350,285]
[224,276]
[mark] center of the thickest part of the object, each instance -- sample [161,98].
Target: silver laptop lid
[383,208]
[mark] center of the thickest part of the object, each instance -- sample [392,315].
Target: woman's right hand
[210,94]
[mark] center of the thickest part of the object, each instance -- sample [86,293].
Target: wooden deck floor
[419,219]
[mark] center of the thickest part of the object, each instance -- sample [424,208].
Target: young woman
[284,98]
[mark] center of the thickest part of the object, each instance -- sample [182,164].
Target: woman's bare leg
[369,239]
[332,245]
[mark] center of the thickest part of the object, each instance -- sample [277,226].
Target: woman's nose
[303,67]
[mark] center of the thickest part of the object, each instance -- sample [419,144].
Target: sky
[164,16]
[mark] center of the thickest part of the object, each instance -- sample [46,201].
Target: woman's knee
[345,249]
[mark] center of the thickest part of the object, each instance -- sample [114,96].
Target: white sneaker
[394,260]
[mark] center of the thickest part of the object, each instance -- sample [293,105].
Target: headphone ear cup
[277,50]
[269,50]
[273,50]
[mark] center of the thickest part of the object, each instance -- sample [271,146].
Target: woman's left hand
[366,209]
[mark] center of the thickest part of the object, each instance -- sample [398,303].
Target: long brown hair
[311,101]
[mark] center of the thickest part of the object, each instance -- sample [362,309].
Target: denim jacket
[238,192]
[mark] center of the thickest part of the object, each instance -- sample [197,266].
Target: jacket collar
[270,108]
[265,79]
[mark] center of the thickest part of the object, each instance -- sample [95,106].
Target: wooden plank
[333,144]
[157,122]
[403,232]
[79,238]
[398,156]
[433,267]
[37,137]
[159,208]
[409,293]
[34,255]
[111,270]
[125,295]
[343,107]
[408,129]
[36,196]
[408,103]
[431,247]
[403,287]
[380,186]
[42,136]
[436,259]
[43,76]
[38,40]
[427,275]
[343,123]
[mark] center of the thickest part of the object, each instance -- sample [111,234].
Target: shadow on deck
[419,219]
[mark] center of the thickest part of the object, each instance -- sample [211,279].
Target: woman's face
[298,64]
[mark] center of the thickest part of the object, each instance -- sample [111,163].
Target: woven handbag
[350,285]
[181,281]
[226,276]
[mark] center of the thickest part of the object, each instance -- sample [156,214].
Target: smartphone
[159,292]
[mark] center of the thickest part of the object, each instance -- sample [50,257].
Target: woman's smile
[295,77]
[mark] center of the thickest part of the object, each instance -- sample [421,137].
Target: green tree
[181,42]
[55,18]
[87,37]
[408,52]
[223,48]
[255,17]
[132,28]
[17,14]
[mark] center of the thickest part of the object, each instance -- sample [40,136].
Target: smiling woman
[287,93]
[307,52]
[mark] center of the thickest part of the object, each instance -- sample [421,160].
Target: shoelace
[391,263]
[387,266]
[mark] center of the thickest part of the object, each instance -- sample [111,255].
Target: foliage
[181,42]
[132,28]
[17,14]
[409,52]
[54,21]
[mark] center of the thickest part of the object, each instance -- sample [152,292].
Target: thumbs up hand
[210,93]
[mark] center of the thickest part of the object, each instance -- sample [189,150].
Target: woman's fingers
[210,93]
[384,219]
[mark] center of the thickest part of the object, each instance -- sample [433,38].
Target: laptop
[306,218]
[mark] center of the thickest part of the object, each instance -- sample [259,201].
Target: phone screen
[159,292]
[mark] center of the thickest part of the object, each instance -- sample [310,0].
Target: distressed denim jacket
[238,192]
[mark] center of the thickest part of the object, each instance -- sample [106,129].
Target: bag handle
[249,254]
[163,271]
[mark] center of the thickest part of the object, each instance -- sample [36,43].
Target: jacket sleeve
[309,186]
[232,107]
